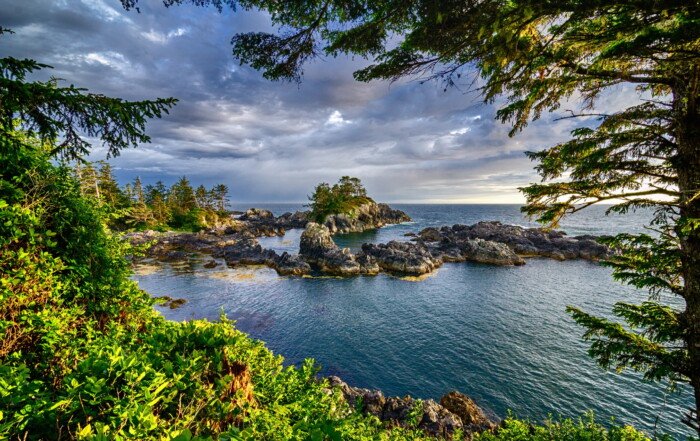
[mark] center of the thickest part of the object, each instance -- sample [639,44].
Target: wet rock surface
[170,302]
[455,411]
[474,250]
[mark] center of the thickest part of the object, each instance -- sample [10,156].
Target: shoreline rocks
[455,411]
[405,258]
[489,243]
[368,216]
[317,248]
[524,242]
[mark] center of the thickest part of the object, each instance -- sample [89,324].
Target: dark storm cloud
[273,141]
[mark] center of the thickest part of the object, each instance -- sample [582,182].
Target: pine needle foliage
[345,197]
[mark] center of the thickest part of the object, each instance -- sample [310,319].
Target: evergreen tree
[48,110]
[181,196]
[158,190]
[87,177]
[342,198]
[537,55]
[128,192]
[219,196]
[203,197]
[138,194]
[110,193]
[160,209]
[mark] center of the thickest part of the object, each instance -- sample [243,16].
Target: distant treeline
[157,206]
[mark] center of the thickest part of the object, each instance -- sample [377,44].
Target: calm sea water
[498,334]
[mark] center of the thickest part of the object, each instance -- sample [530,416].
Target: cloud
[159,37]
[336,119]
[273,141]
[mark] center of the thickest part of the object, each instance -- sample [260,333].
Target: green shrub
[583,429]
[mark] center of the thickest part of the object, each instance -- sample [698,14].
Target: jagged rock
[438,421]
[475,250]
[171,256]
[402,257]
[298,219]
[256,214]
[364,400]
[142,237]
[316,241]
[368,264]
[170,302]
[430,234]
[291,265]
[472,416]
[318,249]
[524,242]
[247,251]
[433,418]
[365,217]
[211,264]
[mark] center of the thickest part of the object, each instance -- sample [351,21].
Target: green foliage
[343,198]
[134,207]
[584,429]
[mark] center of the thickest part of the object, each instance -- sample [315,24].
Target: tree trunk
[686,102]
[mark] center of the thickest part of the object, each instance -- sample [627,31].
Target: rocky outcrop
[257,215]
[485,242]
[298,219]
[524,242]
[472,416]
[290,265]
[235,249]
[455,411]
[402,257]
[317,248]
[246,252]
[474,250]
[365,217]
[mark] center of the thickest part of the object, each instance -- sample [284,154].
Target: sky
[274,141]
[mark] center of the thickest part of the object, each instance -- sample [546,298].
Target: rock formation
[525,242]
[485,242]
[402,257]
[365,217]
[455,411]
[318,249]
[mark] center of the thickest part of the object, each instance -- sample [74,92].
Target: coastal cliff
[367,216]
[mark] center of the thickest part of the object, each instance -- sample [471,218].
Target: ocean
[498,334]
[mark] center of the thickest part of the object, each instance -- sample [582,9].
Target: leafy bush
[584,429]
[343,198]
